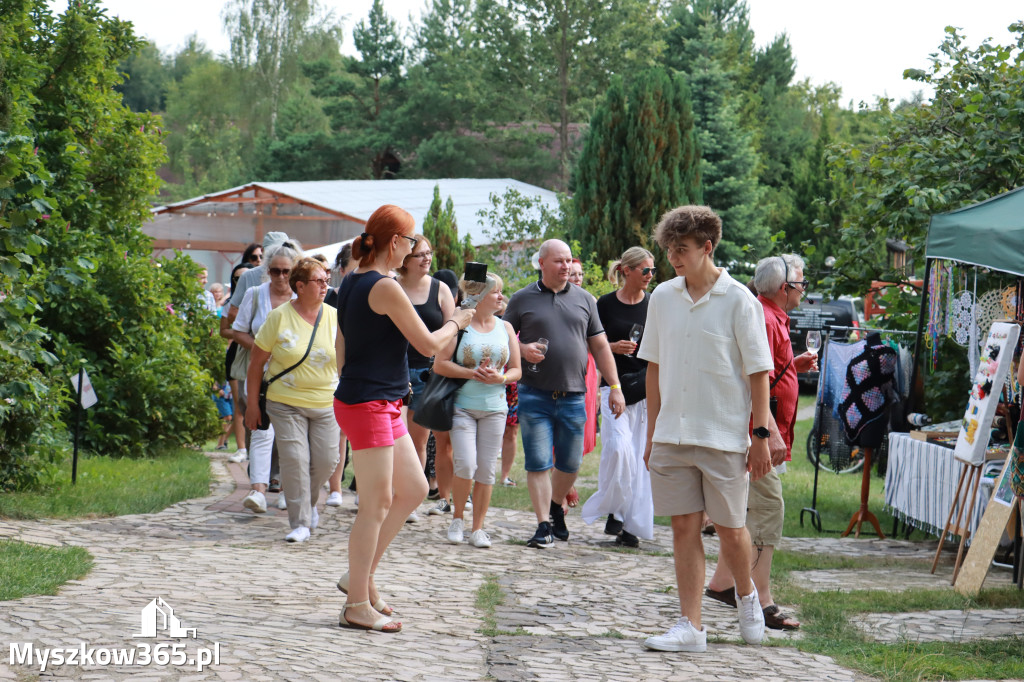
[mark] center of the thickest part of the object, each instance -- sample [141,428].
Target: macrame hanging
[939,300]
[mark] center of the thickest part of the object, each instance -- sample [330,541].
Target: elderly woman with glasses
[253,310]
[298,341]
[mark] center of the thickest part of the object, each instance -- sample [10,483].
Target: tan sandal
[380,605]
[382,624]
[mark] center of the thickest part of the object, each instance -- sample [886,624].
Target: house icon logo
[158,615]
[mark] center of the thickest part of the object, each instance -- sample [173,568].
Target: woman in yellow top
[301,403]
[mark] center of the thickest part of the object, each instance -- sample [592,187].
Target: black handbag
[436,406]
[634,386]
[265,383]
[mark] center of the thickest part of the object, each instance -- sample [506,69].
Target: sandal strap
[352,605]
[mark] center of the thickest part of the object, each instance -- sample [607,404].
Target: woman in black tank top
[435,305]
[384,460]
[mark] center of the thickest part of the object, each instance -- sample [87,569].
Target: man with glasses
[780,283]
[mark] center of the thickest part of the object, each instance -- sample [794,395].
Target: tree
[77,179]
[146,79]
[961,147]
[573,47]
[640,159]
[440,228]
[267,39]
[729,162]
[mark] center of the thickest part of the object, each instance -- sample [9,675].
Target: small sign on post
[86,399]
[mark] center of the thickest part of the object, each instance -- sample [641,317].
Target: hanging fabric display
[961,317]
[869,380]
[939,301]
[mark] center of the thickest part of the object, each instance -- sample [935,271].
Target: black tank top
[374,348]
[430,312]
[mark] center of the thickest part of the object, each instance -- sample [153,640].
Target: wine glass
[542,348]
[635,332]
[813,341]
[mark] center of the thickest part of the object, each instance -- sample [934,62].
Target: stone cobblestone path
[577,611]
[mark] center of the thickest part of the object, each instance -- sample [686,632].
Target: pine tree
[440,228]
[640,159]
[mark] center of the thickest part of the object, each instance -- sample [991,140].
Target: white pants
[623,482]
[261,448]
[476,444]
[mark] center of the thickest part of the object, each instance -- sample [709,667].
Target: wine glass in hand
[814,341]
[542,348]
[635,332]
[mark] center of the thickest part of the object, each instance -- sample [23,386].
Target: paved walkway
[577,611]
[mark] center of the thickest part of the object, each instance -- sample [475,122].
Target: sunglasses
[802,286]
[321,282]
[279,272]
[648,271]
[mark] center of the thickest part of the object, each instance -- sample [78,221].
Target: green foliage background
[77,171]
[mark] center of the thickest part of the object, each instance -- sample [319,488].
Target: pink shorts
[374,424]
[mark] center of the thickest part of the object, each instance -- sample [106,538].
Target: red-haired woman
[377,323]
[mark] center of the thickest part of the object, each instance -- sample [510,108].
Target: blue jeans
[552,426]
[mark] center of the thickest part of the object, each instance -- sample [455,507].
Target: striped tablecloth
[921,481]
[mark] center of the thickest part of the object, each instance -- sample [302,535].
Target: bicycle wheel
[856,457]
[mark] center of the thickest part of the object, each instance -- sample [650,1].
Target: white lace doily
[961,317]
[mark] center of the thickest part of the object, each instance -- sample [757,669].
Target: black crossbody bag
[773,402]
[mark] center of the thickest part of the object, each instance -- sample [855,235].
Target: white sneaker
[469,503]
[239,456]
[456,531]
[413,518]
[256,501]
[314,519]
[479,538]
[334,500]
[680,637]
[300,534]
[751,618]
[282,503]
[357,499]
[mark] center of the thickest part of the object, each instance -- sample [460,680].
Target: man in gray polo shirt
[552,391]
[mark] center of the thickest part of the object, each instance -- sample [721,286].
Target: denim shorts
[417,384]
[552,428]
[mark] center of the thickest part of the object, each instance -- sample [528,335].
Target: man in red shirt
[779,281]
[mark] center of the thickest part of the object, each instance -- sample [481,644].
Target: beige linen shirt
[706,352]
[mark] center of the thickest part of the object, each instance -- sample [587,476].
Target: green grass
[489,596]
[115,486]
[31,569]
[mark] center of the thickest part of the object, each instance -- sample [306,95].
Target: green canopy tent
[989,234]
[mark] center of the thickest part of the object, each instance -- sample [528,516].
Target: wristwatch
[762,432]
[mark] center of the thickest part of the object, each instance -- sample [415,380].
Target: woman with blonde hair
[377,323]
[624,484]
[480,357]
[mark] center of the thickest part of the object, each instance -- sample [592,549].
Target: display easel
[973,438]
[972,472]
[863,514]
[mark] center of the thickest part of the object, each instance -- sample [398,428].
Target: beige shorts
[686,479]
[765,510]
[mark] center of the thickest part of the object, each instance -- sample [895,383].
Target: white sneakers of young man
[680,637]
[282,503]
[456,531]
[479,538]
[300,534]
[256,501]
[239,456]
[334,499]
[751,618]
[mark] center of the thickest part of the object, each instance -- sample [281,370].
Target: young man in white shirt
[707,375]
